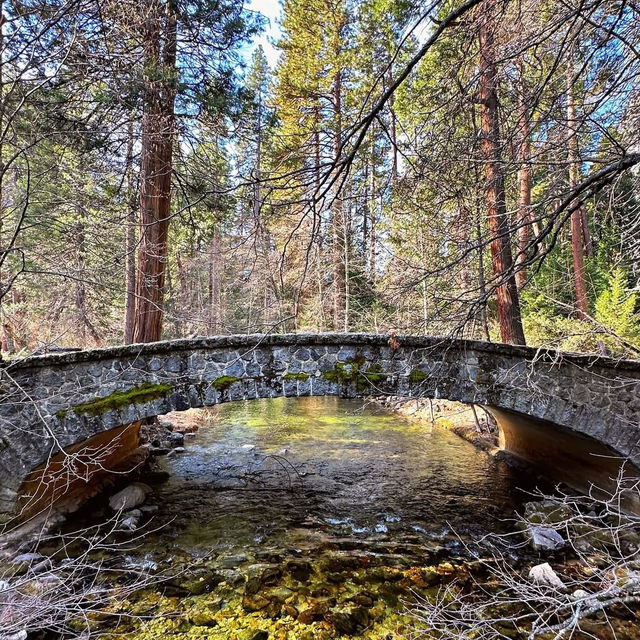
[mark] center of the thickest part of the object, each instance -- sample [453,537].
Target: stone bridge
[547,404]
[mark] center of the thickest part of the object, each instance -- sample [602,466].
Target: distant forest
[438,168]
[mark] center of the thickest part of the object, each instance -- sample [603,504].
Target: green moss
[296,376]
[61,414]
[417,376]
[119,399]
[224,382]
[352,372]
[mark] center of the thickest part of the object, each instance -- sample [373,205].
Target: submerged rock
[205,615]
[231,562]
[348,621]
[299,569]
[194,582]
[131,496]
[254,634]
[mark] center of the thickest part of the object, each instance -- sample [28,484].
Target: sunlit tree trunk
[508,303]
[524,178]
[578,215]
[337,219]
[372,211]
[155,169]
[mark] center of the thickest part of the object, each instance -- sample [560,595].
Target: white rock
[131,496]
[173,452]
[544,574]
[131,522]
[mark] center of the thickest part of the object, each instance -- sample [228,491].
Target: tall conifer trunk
[524,177]
[130,242]
[160,35]
[501,257]
[578,216]
[340,320]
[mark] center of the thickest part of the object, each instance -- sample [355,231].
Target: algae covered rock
[349,620]
[255,602]
[194,582]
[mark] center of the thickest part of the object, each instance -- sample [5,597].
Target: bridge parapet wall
[49,403]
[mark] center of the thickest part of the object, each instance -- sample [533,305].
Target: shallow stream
[311,518]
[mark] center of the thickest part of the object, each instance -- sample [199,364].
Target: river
[313,518]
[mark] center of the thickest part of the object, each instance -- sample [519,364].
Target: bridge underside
[561,455]
[550,406]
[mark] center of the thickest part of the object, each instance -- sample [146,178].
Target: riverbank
[471,423]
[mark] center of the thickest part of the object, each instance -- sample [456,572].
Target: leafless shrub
[503,600]
[72,588]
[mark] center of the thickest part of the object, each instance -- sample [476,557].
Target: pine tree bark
[524,178]
[508,302]
[340,320]
[372,212]
[130,242]
[578,215]
[160,35]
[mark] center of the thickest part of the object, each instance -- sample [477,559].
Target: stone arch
[57,401]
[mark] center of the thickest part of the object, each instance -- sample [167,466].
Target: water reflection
[274,471]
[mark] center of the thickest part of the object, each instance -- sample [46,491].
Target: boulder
[543,574]
[130,497]
[545,538]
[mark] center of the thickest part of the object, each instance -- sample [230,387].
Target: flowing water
[312,518]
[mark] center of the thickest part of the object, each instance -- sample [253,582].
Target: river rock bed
[315,519]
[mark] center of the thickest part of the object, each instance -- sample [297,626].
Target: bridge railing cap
[251,341]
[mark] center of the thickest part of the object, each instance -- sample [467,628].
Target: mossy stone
[224,382]
[144,392]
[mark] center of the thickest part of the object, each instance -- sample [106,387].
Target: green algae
[144,392]
[417,376]
[352,372]
[318,606]
[302,377]
[224,382]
